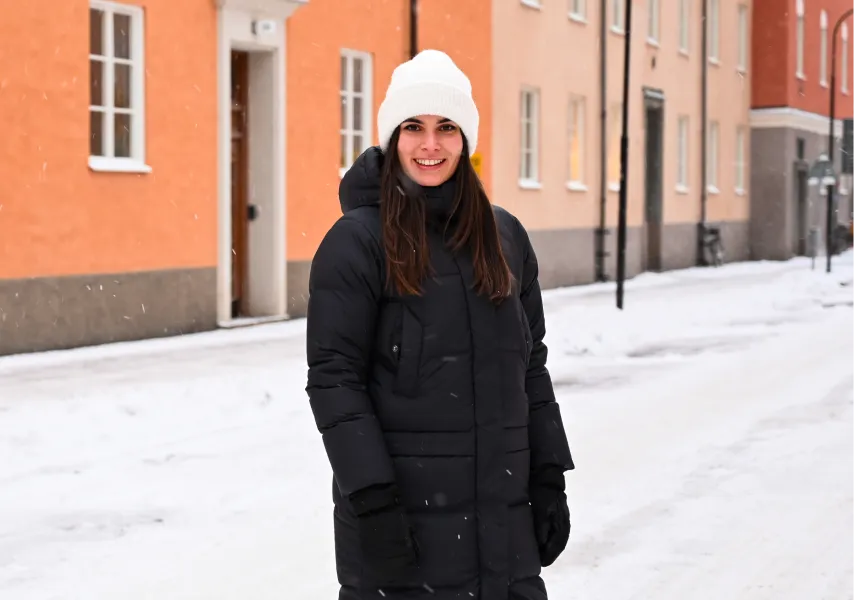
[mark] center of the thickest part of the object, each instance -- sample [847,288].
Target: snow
[710,421]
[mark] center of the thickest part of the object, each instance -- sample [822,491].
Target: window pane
[343,73]
[122,86]
[96,133]
[344,122]
[121,35]
[96,32]
[122,135]
[343,162]
[96,83]
[357,147]
[357,113]
[357,74]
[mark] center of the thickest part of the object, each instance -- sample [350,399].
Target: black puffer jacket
[444,394]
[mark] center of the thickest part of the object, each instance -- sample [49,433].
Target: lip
[430,167]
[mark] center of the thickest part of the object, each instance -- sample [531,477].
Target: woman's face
[429,149]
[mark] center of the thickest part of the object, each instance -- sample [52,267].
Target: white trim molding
[792,118]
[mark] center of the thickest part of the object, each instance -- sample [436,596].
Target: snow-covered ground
[711,424]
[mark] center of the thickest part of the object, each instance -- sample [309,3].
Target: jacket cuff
[375,498]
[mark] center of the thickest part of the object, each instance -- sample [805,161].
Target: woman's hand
[387,539]
[551,514]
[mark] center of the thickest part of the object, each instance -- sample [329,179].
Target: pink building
[557,135]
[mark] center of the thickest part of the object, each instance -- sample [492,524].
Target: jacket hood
[360,185]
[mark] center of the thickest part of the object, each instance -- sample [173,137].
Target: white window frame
[366,95]
[653,26]
[714,31]
[844,65]
[822,50]
[529,179]
[618,16]
[578,10]
[577,117]
[743,38]
[740,160]
[684,26]
[712,160]
[135,163]
[799,39]
[682,141]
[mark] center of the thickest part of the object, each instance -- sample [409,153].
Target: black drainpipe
[413,28]
[600,251]
[704,118]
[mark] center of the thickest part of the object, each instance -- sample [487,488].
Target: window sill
[104,164]
[530,184]
[715,62]
[823,84]
[801,76]
[532,4]
[577,18]
[740,192]
[682,189]
[576,186]
[652,42]
[613,187]
[713,189]
[617,30]
[741,71]
[684,53]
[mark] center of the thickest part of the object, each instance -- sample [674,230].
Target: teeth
[429,163]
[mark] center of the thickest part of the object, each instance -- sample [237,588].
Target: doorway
[653,178]
[239,182]
[800,221]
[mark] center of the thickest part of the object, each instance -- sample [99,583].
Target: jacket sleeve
[345,287]
[547,437]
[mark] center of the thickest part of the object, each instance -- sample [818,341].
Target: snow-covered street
[710,422]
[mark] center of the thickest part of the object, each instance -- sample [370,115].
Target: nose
[430,140]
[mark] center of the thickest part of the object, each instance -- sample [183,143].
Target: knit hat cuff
[428,98]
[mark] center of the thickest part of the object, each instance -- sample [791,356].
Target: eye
[448,127]
[411,127]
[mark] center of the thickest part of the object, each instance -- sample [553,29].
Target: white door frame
[239,29]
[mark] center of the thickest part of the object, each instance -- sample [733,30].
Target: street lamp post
[830,136]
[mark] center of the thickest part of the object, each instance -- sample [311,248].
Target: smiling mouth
[425,163]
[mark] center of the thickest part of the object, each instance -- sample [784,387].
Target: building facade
[558,119]
[790,120]
[172,196]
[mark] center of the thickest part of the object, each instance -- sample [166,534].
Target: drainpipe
[704,118]
[413,28]
[600,252]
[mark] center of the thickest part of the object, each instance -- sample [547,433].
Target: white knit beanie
[429,84]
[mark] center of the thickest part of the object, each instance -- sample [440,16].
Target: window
[714,30]
[529,171]
[712,158]
[578,9]
[844,74]
[576,141]
[682,147]
[116,93]
[654,8]
[740,150]
[615,124]
[684,25]
[799,39]
[743,37]
[822,49]
[618,19]
[356,104]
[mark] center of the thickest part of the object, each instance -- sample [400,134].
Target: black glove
[387,539]
[551,513]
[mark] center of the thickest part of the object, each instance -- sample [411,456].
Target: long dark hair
[404,229]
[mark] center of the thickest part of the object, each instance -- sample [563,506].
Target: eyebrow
[420,122]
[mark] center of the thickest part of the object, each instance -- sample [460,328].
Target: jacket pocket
[408,353]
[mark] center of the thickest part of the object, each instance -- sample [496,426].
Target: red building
[791,61]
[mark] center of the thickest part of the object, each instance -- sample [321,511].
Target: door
[653,197]
[239,182]
[801,213]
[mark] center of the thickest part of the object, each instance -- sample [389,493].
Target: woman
[427,373]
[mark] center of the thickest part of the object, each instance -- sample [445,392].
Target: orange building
[170,167]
